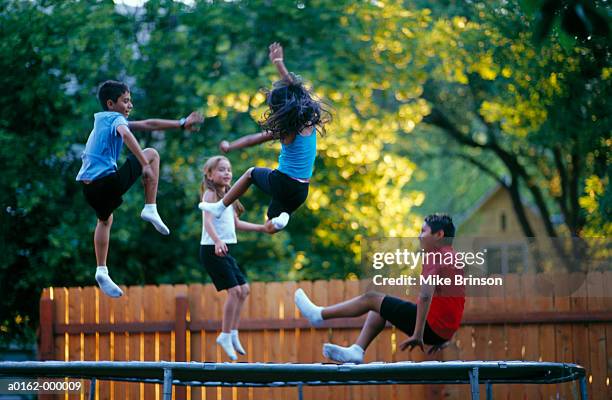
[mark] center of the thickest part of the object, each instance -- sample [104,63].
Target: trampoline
[299,375]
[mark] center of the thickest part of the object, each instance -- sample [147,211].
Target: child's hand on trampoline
[224,146]
[437,347]
[412,342]
[275,52]
[193,121]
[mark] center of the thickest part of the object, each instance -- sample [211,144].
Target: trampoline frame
[169,374]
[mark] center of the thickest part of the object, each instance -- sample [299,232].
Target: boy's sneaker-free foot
[308,309]
[353,354]
[149,214]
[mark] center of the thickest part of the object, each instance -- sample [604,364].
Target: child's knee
[107,222]
[151,154]
[235,292]
[245,292]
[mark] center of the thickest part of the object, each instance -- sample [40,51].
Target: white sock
[225,341]
[281,221]
[353,354]
[215,209]
[308,309]
[149,214]
[236,342]
[106,284]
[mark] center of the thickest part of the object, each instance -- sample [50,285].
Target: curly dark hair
[293,107]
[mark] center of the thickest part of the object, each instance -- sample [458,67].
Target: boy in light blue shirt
[104,183]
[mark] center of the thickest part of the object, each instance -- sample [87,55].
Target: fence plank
[211,350]
[135,313]
[196,350]
[587,343]
[608,306]
[90,342]
[597,332]
[121,340]
[151,308]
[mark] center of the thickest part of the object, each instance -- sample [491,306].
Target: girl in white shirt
[218,239]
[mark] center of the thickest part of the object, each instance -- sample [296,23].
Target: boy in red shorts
[432,321]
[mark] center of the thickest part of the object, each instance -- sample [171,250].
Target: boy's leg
[373,325]
[149,212]
[101,242]
[354,307]
[244,292]
[101,239]
[150,184]
[371,328]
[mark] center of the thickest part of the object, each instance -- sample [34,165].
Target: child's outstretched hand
[193,121]
[275,52]
[224,146]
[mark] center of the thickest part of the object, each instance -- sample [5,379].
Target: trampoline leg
[92,389]
[474,383]
[167,394]
[300,391]
[489,391]
[583,389]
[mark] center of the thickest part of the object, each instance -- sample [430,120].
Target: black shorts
[402,314]
[287,193]
[104,195]
[223,270]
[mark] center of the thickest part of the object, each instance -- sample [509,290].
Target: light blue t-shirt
[103,147]
[297,159]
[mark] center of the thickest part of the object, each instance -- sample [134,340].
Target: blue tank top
[297,159]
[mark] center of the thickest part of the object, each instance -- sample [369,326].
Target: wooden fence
[180,323]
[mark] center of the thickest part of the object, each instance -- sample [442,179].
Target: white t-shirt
[224,226]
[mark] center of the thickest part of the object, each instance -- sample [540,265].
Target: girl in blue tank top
[294,117]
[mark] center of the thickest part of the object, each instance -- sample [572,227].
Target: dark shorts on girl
[287,193]
[104,195]
[223,270]
[402,314]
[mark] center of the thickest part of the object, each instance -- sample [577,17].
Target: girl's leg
[101,240]
[229,308]
[149,212]
[244,292]
[225,338]
[239,188]
[235,339]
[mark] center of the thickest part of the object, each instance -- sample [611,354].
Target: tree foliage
[407,83]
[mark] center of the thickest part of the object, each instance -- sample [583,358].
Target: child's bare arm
[275,52]
[220,246]
[245,141]
[247,226]
[132,144]
[191,123]
[424,301]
